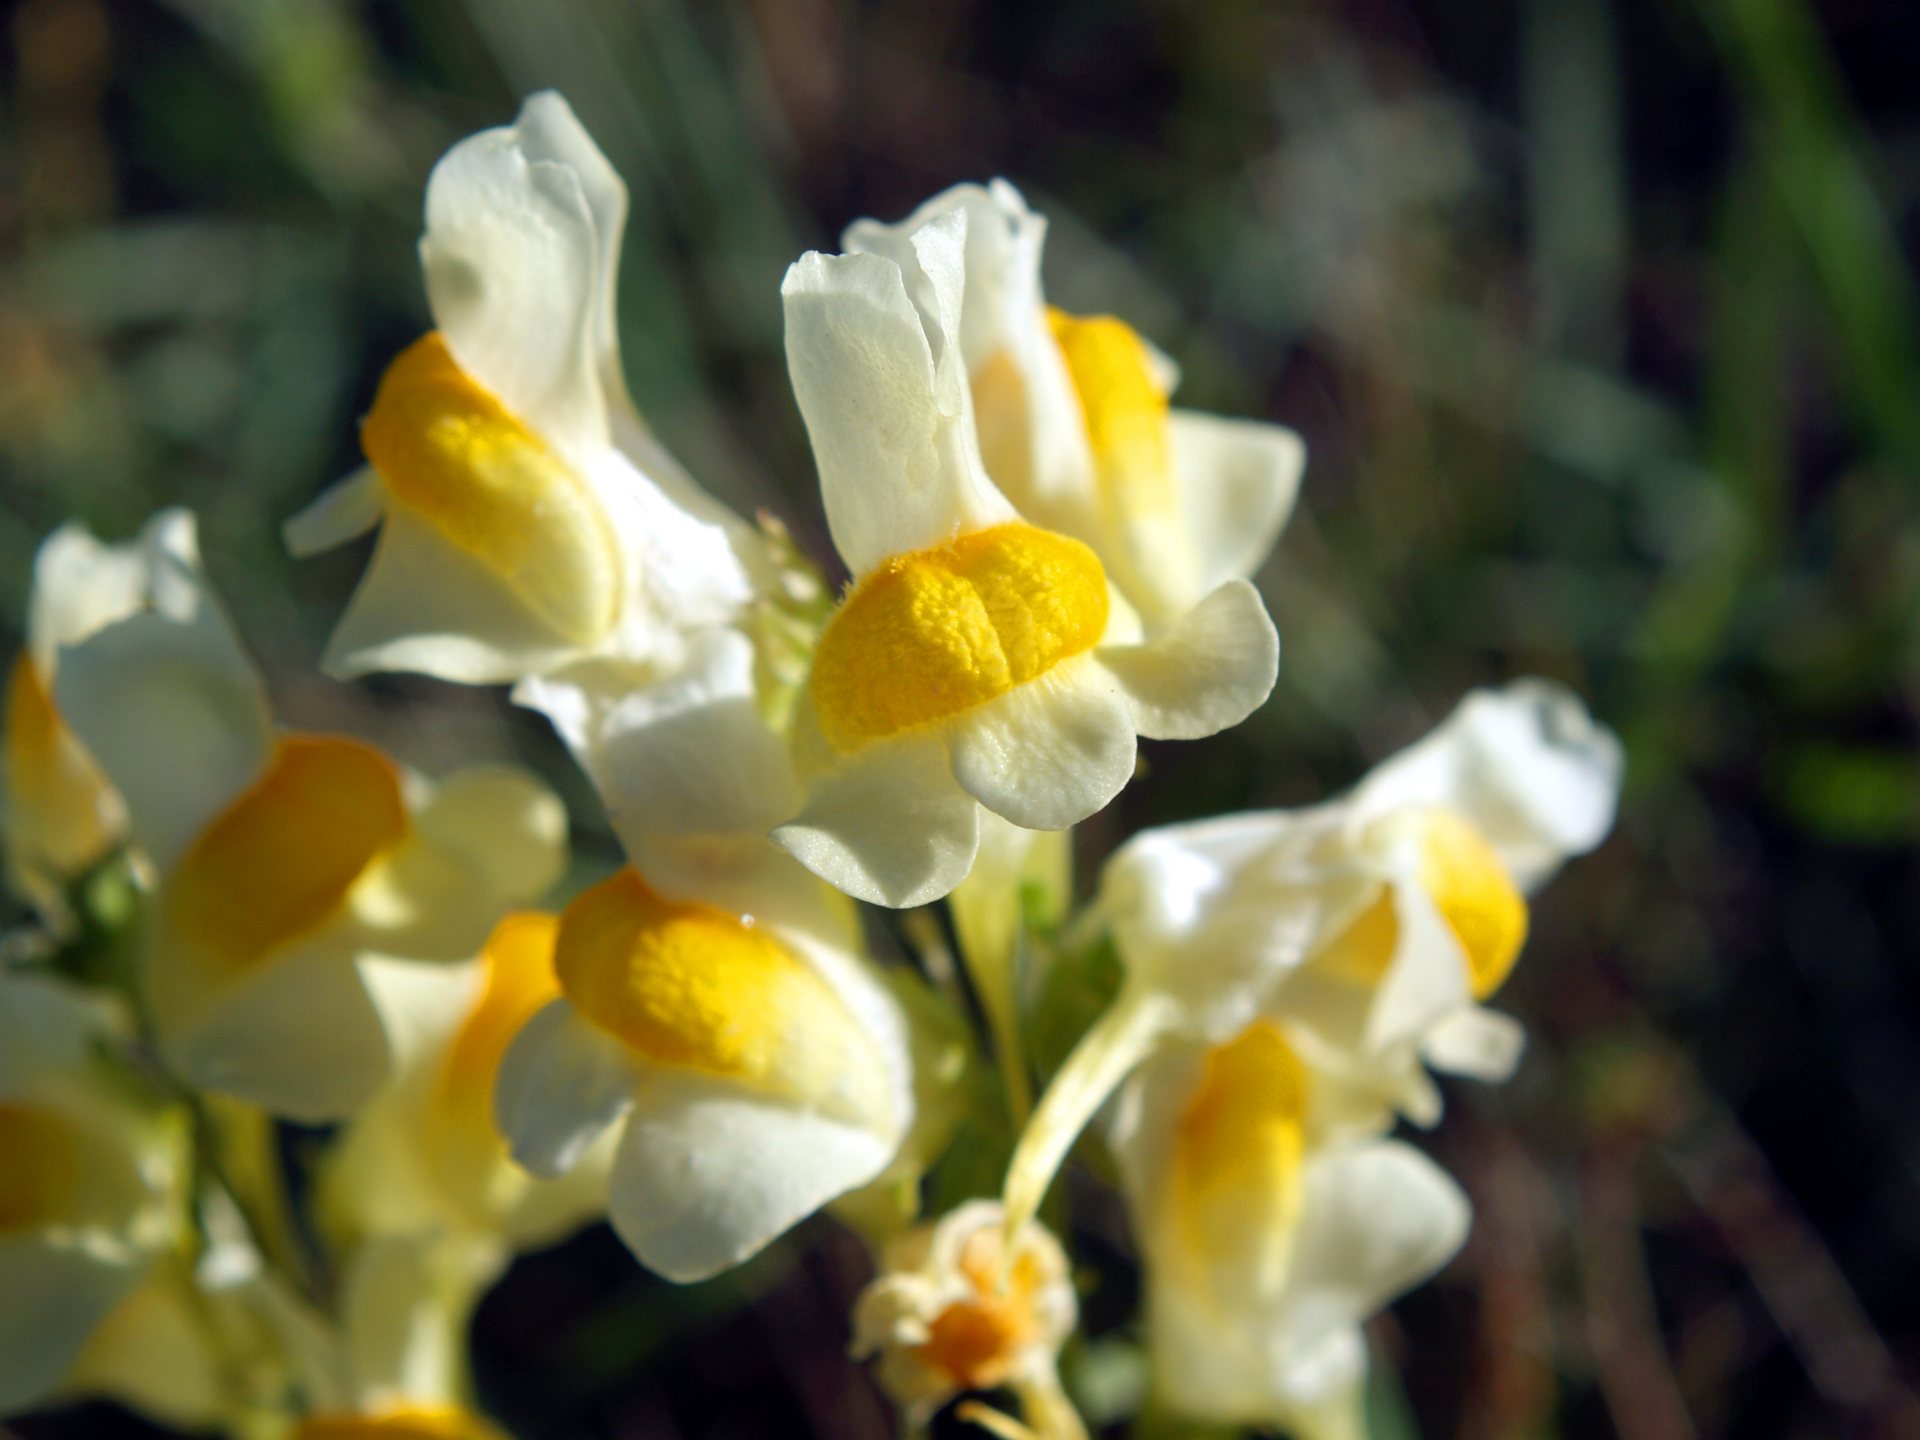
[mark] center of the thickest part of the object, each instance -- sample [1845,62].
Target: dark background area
[1600,324]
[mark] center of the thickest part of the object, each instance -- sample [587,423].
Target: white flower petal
[562,1083]
[299,1036]
[548,130]
[506,825]
[167,702]
[885,401]
[427,606]
[513,267]
[1210,670]
[405,1304]
[1050,752]
[1376,1220]
[81,586]
[1236,481]
[1527,764]
[889,826]
[52,1297]
[1480,1044]
[690,754]
[707,1174]
[1428,978]
[345,510]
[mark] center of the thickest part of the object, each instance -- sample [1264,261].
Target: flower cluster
[1047,560]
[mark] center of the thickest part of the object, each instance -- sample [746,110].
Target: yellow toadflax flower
[1368,928]
[1270,1231]
[293,871]
[527,518]
[978,659]
[1076,428]
[756,1066]
[61,814]
[954,1308]
[92,1186]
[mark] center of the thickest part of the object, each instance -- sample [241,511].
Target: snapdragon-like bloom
[1270,1230]
[424,1155]
[91,1185]
[292,870]
[956,1308]
[528,521]
[978,659]
[757,1067]
[1367,929]
[61,814]
[1076,427]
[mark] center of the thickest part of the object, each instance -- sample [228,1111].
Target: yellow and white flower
[977,659]
[1367,929]
[91,1185]
[527,518]
[1075,425]
[293,871]
[955,1308]
[61,814]
[425,1156]
[757,1067]
[1270,1232]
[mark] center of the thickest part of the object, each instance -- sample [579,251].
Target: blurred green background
[1599,322]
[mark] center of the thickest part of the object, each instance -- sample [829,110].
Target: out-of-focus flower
[61,814]
[956,1308]
[977,659]
[1075,425]
[407,1422]
[91,1185]
[527,518]
[293,871]
[425,1154]
[1367,929]
[759,1068]
[1270,1232]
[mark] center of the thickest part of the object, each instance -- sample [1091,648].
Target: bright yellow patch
[928,635]
[1126,414]
[518,960]
[39,1167]
[452,453]
[61,814]
[426,1423]
[1473,893]
[975,1343]
[1236,1183]
[279,861]
[693,987]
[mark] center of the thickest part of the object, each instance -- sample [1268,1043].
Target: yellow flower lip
[1470,887]
[279,861]
[688,986]
[1138,523]
[40,1176]
[1238,1149]
[450,452]
[933,633]
[519,980]
[1125,410]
